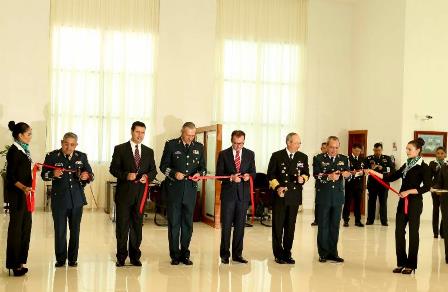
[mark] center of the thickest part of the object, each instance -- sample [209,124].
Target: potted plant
[3,174]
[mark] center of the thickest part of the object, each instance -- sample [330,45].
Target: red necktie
[137,156]
[237,161]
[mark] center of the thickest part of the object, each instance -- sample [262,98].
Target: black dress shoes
[136,263]
[174,262]
[240,260]
[290,261]
[225,261]
[59,264]
[187,262]
[336,259]
[322,259]
[279,261]
[119,263]
[73,264]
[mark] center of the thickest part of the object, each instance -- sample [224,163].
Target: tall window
[102,72]
[260,70]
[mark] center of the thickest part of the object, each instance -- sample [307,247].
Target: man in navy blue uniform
[238,163]
[67,196]
[287,172]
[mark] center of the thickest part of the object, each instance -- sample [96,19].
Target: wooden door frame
[216,223]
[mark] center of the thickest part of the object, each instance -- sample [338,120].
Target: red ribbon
[406,202]
[145,194]
[251,183]
[30,198]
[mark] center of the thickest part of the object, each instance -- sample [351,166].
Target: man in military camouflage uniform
[182,163]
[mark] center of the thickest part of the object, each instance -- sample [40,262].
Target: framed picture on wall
[432,141]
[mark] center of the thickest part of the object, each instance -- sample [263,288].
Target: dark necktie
[137,156]
[291,156]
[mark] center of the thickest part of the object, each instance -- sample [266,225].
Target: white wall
[378,44]
[425,89]
[24,84]
[329,78]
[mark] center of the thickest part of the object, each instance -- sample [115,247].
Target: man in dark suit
[182,163]
[133,165]
[383,164]
[330,170]
[238,163]
[67,196]
[287,172]
[354,186]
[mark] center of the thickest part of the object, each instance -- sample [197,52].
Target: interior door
[359,137]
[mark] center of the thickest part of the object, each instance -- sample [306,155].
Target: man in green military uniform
[182,163]
[383,164]
[330,170]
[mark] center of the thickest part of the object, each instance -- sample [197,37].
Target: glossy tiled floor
[369,255]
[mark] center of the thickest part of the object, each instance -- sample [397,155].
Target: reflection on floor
[369,253]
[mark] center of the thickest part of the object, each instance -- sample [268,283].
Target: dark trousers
[60,219]
[180,228]
[233,212]
[19,232]
[436,223]
[381,194]
[328,230]
[408,259]
[128,225]
[353,192]
[283,227]
[444,208]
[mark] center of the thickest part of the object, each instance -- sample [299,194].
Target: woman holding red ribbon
[416,180]
[18,186]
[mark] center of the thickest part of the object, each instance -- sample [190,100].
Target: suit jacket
[284,172]
[435,168]
[18,169]
[123,163]
[231,191]
[329,192]
[176,158]
[67,191]
[441,181]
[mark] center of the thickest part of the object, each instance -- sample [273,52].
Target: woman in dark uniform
[18,185]
[416,180]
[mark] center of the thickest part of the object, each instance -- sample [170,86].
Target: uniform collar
[289,153]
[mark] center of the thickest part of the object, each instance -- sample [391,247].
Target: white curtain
[102,75]
[260,68]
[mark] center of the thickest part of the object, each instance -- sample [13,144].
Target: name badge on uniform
[177,153]
[59,164]
[196,152]
[79,162]
[341,163]
[299,164]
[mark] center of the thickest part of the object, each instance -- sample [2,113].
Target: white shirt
[139,146]
[234,154]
